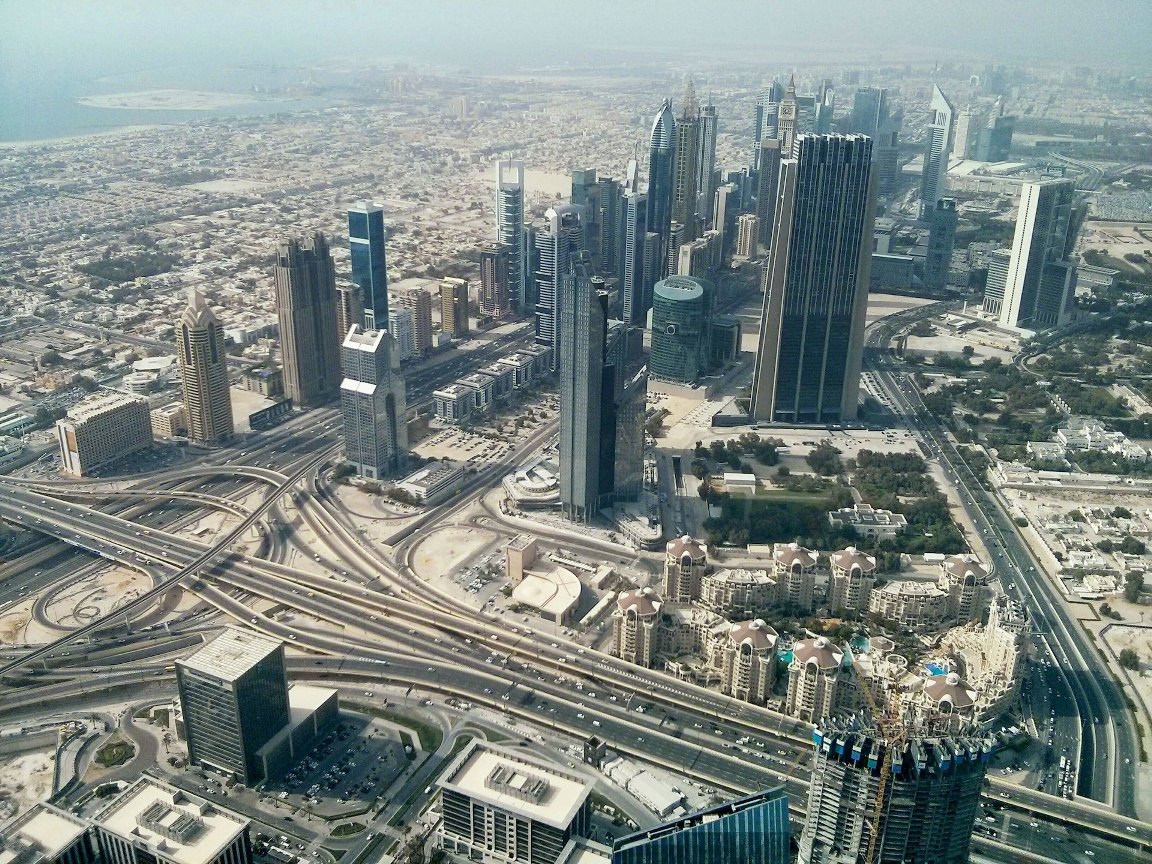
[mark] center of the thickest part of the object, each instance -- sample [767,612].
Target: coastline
[74,139]
[174,100]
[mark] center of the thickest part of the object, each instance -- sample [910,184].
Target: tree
[1129,659]
[825,460]
[967,350]
[782,471]
[1131,546]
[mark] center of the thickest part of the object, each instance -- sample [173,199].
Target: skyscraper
[937,149]
[420,302]
[204,373]
[372,404]
[454,307]
[494,291]
[767,190]
[634,284]
[369,264]
[767,113]
[994,138]
[556,243]
[306,307]
[510,228]
[968,121]
[869,108]
[754,828]
[611,196]
[681,318]
[1038,290]
[686,167]
[586,193]
[926,808]
[234,698]
[941,237]
[725,213]
[812,326]
[706,166]
[825,108]
[748,230]
[661,180]
[788,123]
[873,115]
[349,311]
[584,322]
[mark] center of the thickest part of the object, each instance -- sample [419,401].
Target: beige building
[817,681]
[305,280]
[204,373]
[519,555]
[419,302]
[634,622]
[349,308]
[100,429]
[945,696]
[737,594]
[909,604]
[748,661]
[795,572]
[454,307]
[169,421]
[853,575]
[965,579]
[685,563]
[747,229]
[991,657]
[45,834]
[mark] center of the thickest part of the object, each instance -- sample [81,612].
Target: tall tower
[767,190]
[349,311]
[941,238]
[556,244]
[204,373]
[927,804]
[584,321]
[1039,291]
[610,198]
[306,307]
[787,118]
[938,147]
[869,107]
[420,302]
[661,178]
[494,292]
[510,227]
[586,193]
[454,307]
[812,326]
[706,165]
[372,404]
[369,265]
[767,113]
[635,296]
[686,170]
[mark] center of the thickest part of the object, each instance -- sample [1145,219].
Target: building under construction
[913,804]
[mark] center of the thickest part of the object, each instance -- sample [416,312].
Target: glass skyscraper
[938,147]
[754,828]
[812,326]
[680,320]
[661,182]
[510,230]
[369,266]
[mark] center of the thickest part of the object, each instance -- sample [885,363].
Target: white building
[101,429]
[432,482]
[866,521]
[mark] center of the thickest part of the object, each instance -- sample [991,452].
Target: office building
[372,404]
[994,138]
[234,699]
[747,228]
[685,565]
[169,421]
[767,190]
[941,236]
[767,113]
[152,822]
[706,166]
[927,803]
[305,279]
[495,296]
[586,193]
[611,197]
[100,429]
[754,828]
[44,834]
[868,111]
[510,229]
[420,302]
[853,575]
[507,805]
[369,265]
[873,115]
[681,316]
[817,680]
[402,326]
[635,287]
[937,150]
[968,121]
[556,245]
[812,326]
[725,213]
[454,308]
[1036,290]
[204,373]
[661,182]
[349,311]
[686,167]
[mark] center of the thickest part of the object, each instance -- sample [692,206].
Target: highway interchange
[372,618]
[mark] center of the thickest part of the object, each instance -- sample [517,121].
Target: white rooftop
[45,827]
[231,654]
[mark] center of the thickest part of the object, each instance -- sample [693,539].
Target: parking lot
[472,449]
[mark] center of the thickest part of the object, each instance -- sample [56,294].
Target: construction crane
[894,732]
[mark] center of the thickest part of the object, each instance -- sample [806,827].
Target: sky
[70,38]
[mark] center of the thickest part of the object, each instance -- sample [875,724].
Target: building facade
[748,661]
[204,373]
[510,229]
[794,568]
[941,238]
[681,314]
[937,151]
[661,186]
[305,285]
[817,681]
[454,308]
[100,429]
[419,302]
[372,404]
[685,565]
[737,594]
[369,265]
[913,605]
[495,292]
[635,623]
[557,244]
[853,575]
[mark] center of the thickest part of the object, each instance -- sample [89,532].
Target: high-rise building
[635,297]
[767,191]
[100,429]
[750,829]
[661,182]
[725,212]
[372,404]
[556,244]
[349,311]
[853,575]
[611,197]
[968,122]
[586,193]
[706,166]
[234,699]
[817,680]
[686,167]
[937,150]
[747,227]
[767,112]
[454,307]
[402,326]
[681,321]
[994,139]
[420,302]
[369,264]
[306,307]
[941,237]
[789,124]
[812,327]
[874,116]
[825,107]
[685,565]
[494,290]
[204,373]
[927,802]
[510,229]
[1038,290]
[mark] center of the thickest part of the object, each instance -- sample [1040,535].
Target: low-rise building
[482,388]
[910,604]
[101,429]
[266,381]
[866,521]
[45,834]
[433,482]
[169,421]
[501,375]
[454,403]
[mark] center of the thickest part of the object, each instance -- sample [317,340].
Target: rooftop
[100,403]
[231,654]
[45,829]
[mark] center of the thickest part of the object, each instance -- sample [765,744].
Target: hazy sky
[83,38]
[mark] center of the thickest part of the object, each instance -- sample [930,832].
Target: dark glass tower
[941,238]
[634,287]
[680,323]
[307,310]
[812,326]
[555,245]
[369,267]
[661,181]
